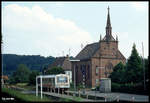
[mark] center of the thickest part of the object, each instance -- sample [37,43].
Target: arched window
[109,66]
[96,70]
[108,69]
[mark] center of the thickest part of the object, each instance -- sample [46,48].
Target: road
[65,96]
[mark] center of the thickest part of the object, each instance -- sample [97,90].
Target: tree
[146,62]
[31,61]
[146,68]
[55,70]
[118,74]
[21,75]
[32,77]
[134,67]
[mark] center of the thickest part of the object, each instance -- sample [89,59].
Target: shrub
[128,88]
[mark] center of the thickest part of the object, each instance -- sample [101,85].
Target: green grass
[26,86]
[25,97]
[78,99]
[65,100]
[32,98]
[21,84]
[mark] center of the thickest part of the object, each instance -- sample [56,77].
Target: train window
[62,80]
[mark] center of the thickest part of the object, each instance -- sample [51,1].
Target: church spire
[108,19]
[108,26]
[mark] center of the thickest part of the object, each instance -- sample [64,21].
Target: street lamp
[143,66]
[74,73]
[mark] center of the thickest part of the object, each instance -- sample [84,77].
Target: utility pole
[74,79]
[83,72]
[81,46]
[69,52]
[63,53]
[2,78]
[143,66]
[74,71]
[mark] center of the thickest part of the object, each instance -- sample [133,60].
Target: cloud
[59,4]
[34,31]
[126,43]
[139,6]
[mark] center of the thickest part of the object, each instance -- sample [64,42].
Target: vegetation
[119,71]
[24,75]
[78,87]
[24,97]
[32,77]
[65,100]
[55,70]
[134,67]
[33,62]
[78,99]
[25,86]
[129,88]
[21,75]
[129,77]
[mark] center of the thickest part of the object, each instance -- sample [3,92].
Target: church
[96,60]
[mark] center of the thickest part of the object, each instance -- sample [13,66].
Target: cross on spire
[108,27]
[108,8]
[108,19]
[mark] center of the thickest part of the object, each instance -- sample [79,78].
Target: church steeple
[108,37]
[108,27]
[108,19]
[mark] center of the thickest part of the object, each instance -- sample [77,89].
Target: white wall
[70,75]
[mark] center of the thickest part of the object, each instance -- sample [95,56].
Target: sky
[61,28]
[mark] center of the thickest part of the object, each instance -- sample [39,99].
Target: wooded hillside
[33,62]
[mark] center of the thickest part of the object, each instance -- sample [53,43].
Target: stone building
[97,60]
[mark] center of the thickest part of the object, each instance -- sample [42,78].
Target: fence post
[132,99]
[105,97]
[79,93]
[67,93]
[36,86]
[62,91]
[87,96]
[117,98]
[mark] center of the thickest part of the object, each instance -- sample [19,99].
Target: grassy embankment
[25,86]
[24,97]
[31,97]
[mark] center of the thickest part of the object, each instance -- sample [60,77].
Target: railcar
[54,83]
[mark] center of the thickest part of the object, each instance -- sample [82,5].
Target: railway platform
[64,96]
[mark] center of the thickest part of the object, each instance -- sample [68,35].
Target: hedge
[129,88]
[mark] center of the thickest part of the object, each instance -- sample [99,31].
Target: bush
[32,77]
[55,70]
[128,88]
